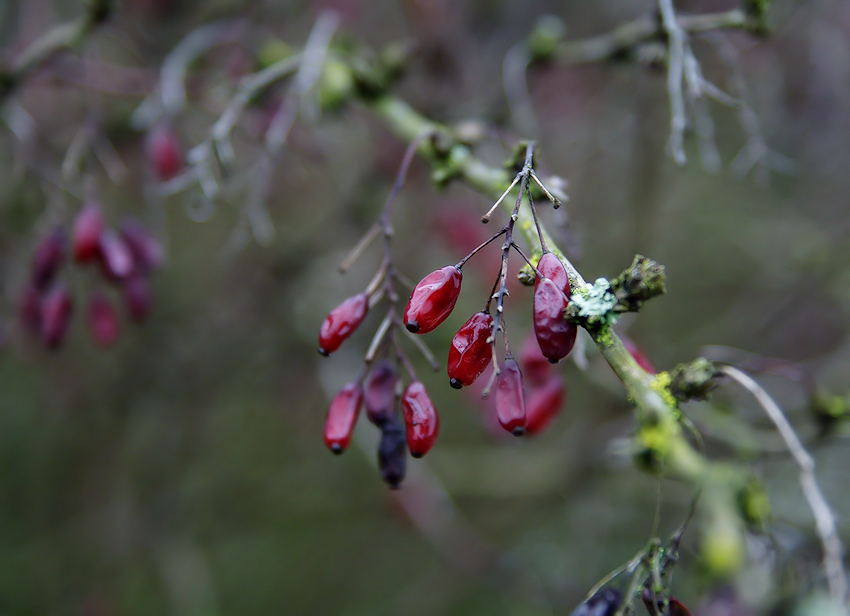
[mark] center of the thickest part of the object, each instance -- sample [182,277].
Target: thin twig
[825,522]
[676,56]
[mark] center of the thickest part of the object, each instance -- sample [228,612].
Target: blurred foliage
[183,471]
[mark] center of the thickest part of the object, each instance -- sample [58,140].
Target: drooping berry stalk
[420,418]
[342,415]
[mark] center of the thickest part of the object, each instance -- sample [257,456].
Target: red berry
[137,297]
[550,266]
[638,355]
[56,309]
[47,258]
[29,309]
[342,415]
[88,226]
[103,322]
[536,369]
[146,250]
[115,256]
[421,419]
[544,403]
[470,352]
[555,334]
[379,396]
[510,398]
[341,323]
[165,152]
[432,300]
[392,452]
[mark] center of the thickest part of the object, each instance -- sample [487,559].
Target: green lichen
[594,304]
[661,385]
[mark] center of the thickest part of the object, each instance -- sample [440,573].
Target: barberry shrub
[162,412]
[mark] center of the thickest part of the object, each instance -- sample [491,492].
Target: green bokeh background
[183,471]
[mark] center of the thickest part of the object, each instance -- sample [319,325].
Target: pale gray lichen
[594,303]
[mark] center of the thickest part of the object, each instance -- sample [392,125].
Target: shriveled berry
[433,300]
[550,266]
[165,152]
[606,602]
[555,334]
[341,323]
[115,256]
[146,250]
[137,297]
[29,309]
[392,452]
[544,404]
[510,398]
[421,419]
[379,394]
[56,309]
[536,369]
[103,322]
[47,258]
[470,352]
[342,415]
[88,226]
[638,355]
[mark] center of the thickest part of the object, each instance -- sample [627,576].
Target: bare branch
[827,527]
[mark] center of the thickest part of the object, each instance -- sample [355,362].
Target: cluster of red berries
[472,348]
[125,257]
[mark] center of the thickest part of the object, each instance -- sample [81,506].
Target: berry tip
[324,353]
[412,326]
[518,431]
[455,383]
[336,448]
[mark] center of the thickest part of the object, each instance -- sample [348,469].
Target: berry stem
[480,247]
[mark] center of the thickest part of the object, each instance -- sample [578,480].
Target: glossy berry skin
[379,396]
[510,398]
[342,415]
[420,418]
[433,300]
[543,405]
[550,266]
[470,353]
[555,334]
[165,152]
[392,452]
[85,240]
[341,323]
[137,297]
[56,309]
[103,323]
[116,258]
[536,369]
[47,258]
[146,250]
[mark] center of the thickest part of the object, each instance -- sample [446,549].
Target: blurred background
[182,470]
